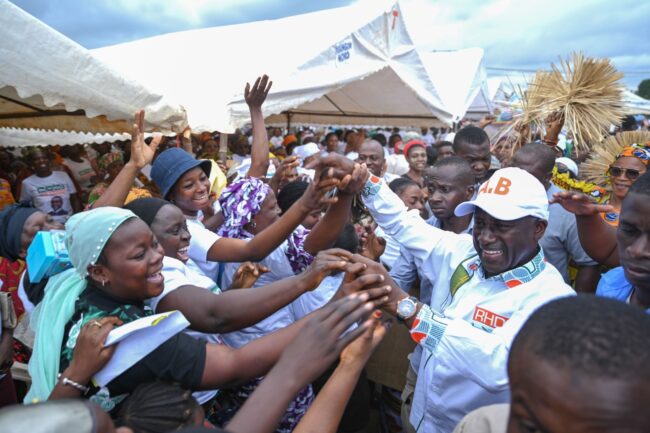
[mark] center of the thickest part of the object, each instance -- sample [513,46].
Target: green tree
[644,89]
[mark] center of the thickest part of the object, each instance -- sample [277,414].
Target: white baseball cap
[511,193]
[306,150]
[569,164]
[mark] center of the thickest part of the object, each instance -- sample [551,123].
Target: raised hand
[288,164]
[247,274]
[554,123]
[325,262]
[486,120]
[580,204]
[256,95]
[141,153]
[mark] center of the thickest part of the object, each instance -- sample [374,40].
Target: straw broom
[587,92]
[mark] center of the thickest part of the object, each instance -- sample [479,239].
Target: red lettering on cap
[503,186]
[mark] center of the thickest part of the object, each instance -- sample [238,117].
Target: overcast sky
[517,34]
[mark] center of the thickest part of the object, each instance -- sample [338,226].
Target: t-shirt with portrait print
[50,194]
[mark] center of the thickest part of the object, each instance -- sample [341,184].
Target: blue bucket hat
[171,165]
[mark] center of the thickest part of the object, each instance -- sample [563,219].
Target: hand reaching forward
[580,204]
[247,274]
[325,262]
[372,246]
[359,351]
[323,337]
[355,282]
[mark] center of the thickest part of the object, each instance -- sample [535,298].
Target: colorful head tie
[638,151]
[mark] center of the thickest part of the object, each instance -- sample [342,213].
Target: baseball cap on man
[511,193]
[306,150]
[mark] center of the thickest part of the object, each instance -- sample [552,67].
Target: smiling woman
[117,265]
[624,171]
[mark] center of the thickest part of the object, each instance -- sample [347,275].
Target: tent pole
[223,147]
[289,114]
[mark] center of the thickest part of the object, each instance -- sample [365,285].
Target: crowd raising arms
[481,257]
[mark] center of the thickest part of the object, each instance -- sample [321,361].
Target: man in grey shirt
[560,242]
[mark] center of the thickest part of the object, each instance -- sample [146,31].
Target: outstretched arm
[304,360]
[255,97]
[324,415]
[237,250]
[225,366]
[597,238]
[236,309]
[325,233]
[390,213]
[141,155]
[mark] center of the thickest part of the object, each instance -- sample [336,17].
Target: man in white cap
[306,153]
[485,286]
[565,165]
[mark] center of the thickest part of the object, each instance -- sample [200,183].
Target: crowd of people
[523,288]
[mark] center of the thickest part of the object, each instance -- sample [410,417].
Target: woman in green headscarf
[117,266]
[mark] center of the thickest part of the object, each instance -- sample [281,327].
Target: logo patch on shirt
[487,320]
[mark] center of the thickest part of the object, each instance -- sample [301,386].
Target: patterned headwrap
[240,202]
[638,151]
[106,160]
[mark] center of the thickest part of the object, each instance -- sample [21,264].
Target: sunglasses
[630,173]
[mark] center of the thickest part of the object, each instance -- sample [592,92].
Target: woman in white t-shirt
[193,293]
[184,181]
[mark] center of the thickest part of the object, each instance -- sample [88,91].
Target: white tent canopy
[460,79]
[634,104]
[48,81]
[14,137]
[359,66]
[484,104]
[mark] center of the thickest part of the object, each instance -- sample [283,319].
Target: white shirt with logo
[472,331]
[82,171]
[50,194]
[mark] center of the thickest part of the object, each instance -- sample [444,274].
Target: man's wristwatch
[406,308]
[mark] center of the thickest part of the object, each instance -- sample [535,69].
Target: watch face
[406,308]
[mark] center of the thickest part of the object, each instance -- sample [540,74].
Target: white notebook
[136,340]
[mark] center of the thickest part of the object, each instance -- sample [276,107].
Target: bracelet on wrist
[69,382]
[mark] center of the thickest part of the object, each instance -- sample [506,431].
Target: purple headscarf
[240,202]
